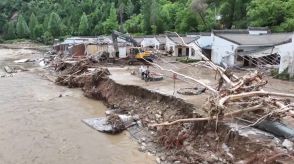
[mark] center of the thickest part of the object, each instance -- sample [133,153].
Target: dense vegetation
[47,19]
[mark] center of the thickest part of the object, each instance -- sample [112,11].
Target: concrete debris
[6,75]
[8,69]
[288,144]
[227,150]
[158,161]
[23,61]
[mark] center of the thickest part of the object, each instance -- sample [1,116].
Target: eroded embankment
[194,142]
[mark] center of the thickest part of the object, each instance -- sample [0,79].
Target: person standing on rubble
[147,72]
[142,70]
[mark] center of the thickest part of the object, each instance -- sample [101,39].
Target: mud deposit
[41,123]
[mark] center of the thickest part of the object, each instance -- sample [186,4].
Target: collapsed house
[74,47]
[204,42]
[77,47]
[155,42]
[254,47]
[182,47]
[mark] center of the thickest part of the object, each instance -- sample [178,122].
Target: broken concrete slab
[288,144]
[22,61]
[112,124]
[99,124]
[8,69]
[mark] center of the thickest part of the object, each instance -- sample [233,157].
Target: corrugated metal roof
[161,39]
[259,52]
[187,40]
[264,39]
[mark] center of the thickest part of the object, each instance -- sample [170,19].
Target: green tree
[155,19]
[186,21]
[168,14]
[33,22]
[134,24]
[38,31]
[199,7]
[130,8]
[3,21]
[259,14]
[22,29]
[122,10]
[111,22]
[54,25]
[146,11]
[10,31]
[46,23]
[288,25]
[32,25]
[47,38]
[84,25]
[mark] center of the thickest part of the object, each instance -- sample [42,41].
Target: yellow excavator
[135,53]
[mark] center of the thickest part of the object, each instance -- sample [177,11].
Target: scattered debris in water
[113,123]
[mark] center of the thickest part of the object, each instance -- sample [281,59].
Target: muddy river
[37,125]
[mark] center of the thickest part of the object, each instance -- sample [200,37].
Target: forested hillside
[47,19]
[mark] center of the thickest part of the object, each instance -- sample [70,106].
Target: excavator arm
[126,37]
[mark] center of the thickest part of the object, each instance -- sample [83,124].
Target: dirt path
[38,126]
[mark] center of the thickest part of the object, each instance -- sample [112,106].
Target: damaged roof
[264,39]
[161,39]
[199,33]
[139,39]
[259,28]
[187,40]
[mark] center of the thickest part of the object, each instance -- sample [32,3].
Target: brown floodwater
[39,127]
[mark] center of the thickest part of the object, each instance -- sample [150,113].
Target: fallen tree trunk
[220,70]
[223,100]
[185,76]
[250,109]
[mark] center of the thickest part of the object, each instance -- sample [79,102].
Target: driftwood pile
[240,98]
[116,122]
[237,95]
[79,74]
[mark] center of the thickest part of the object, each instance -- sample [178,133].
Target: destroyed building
[255,47]
[180,47]
[79,47]
[156,42]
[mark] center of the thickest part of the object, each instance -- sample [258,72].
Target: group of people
[144,70]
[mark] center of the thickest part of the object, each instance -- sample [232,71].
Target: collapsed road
[41,122]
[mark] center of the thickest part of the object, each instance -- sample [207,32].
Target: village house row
[255,47]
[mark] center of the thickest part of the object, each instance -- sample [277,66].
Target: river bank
[41,122]
[191,142]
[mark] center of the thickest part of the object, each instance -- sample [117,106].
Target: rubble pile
[116,123]
[78,74]
[240,99]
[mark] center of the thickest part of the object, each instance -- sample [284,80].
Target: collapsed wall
[184,142]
